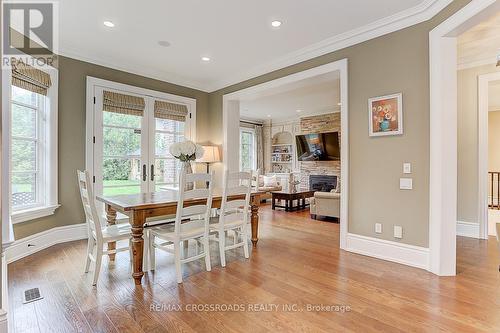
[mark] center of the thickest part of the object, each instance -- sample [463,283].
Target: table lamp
[211,155]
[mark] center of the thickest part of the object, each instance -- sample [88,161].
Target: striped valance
[124,104]
[30,78]
[172,111]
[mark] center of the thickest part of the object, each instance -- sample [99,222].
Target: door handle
[144,175]
[152,172]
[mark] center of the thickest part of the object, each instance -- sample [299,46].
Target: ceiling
[236,35]
[480,45]
[315,95]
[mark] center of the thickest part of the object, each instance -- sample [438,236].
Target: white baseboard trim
[405,254]
[37,242]
[468,229]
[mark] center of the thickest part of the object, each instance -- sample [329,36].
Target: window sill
[33,213]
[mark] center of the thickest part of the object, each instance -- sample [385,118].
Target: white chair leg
[206,248]
[145,253]
[177,259]
[152,253]
[90,249]
[130,250]
[222,248]
[245,241]
[98,260]
[235,237]
[185,249]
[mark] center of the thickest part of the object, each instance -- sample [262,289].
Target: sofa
[259,184]
[325,204]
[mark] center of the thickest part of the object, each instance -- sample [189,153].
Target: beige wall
[398,62]
[72,86]
[494,141]
[467,196]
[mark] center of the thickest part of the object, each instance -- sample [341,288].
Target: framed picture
[386,115]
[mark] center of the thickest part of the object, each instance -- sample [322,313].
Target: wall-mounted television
[318,147]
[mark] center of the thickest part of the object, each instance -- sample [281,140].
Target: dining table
[142,206]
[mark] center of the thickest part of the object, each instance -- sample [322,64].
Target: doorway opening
[280,158]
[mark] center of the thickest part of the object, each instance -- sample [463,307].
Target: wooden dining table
[141,206]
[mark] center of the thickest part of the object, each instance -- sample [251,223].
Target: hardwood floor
[297,262]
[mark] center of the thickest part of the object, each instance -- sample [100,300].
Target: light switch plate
[398,231]
[407,168]
[378,228]
[406,183]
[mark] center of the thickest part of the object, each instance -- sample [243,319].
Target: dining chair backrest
[255,174]
[239,185]
[200,199]
[87,195]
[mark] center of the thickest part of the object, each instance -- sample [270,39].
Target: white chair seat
[116,232]
[215,225]
[191,229]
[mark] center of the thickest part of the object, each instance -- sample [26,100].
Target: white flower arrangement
[186,151]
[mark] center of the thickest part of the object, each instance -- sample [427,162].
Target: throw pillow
[270,181]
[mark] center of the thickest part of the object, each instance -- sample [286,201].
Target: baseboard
[468,229]
[405,254]
[37,242]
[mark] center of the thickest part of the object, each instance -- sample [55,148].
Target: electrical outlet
[378,228]
[398,231]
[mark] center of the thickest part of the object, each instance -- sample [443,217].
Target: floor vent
[32,295]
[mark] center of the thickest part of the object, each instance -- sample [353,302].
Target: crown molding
[420,13]
[423,12]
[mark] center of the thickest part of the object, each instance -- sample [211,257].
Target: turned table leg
[111,220]
[137,245]
[254,219]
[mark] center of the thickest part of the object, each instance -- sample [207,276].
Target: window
[247,149]
[27,149]
[32,139]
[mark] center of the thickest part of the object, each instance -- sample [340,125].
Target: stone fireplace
[322,183]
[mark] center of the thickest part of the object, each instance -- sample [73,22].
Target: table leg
[111,220]
[273,203]
[138,245]
[254,219]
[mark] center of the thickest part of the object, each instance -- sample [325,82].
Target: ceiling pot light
[206,59]
[109,24]
[268,116]
[299,111]
[164,43]
[276,24]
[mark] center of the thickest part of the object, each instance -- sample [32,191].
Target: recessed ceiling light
[298,111]
[206,59]
[276,24]
[164,43]
[268,116]
[109,24]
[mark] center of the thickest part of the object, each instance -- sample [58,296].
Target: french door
[131,150]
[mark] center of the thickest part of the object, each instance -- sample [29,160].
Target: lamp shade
[211,155]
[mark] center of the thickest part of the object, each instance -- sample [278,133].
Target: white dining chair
[234,214]
[98,235]
[191,223]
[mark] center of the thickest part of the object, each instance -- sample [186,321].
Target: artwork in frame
[386,115]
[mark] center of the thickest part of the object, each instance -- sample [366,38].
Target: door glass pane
[23,189]
[246,150]
[122,120]
[166,171]
[121,142]
[23,155]
[23,121]
[121,176]
[170,125]
[166,167]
